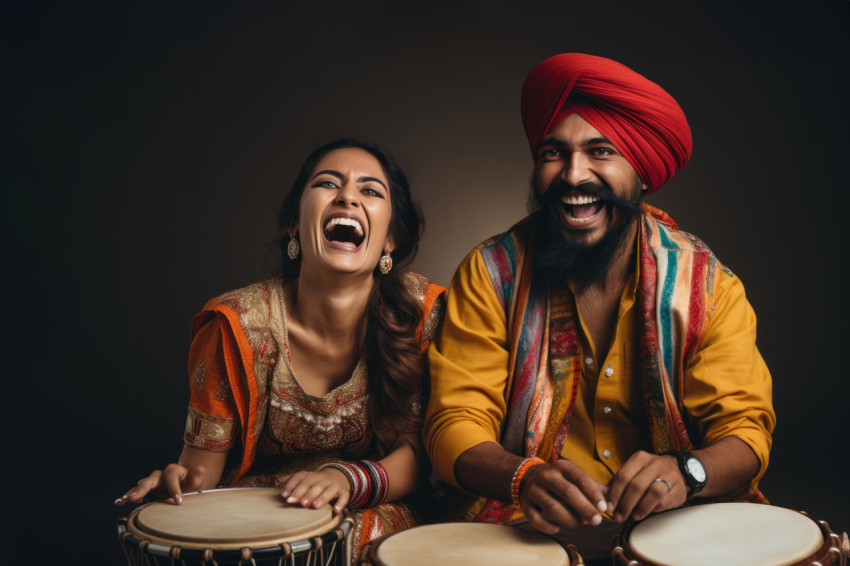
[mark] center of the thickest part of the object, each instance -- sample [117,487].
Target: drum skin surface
[744,534]
[228,518]
[463,544]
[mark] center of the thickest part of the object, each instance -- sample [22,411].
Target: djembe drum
[465,544]
[743,534]
[242,525]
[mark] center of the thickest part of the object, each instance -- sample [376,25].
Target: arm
[728,400]
[468,364]
[728,388]
[210,428]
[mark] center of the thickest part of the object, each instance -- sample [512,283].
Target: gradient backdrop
[148,148]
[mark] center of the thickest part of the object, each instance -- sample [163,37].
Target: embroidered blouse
[244,390]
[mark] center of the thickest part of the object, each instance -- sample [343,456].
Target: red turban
[642,121]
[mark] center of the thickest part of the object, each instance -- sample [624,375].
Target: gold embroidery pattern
[298,422]
[223,393]
[417,285]
[199,376]
[434,320]
[208,432]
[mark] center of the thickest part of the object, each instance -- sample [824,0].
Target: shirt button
[588,361]
[606,453]
[609,371]
[607,410]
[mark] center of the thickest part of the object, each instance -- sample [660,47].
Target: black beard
[555,259]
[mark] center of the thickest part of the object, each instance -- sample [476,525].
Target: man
[597,364]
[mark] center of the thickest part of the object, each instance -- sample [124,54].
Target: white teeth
[578,199]
[344,222]
[588,219]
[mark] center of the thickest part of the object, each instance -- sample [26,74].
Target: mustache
[560,188]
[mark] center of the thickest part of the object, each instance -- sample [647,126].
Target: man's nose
[576,169]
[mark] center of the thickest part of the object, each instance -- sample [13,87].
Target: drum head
[462,544]
[744,534]
[229,518]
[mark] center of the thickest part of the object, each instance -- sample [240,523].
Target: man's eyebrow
[552,140]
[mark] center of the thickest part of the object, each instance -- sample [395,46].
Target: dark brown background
[147,149]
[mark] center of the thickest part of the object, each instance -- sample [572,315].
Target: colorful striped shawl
[675,295]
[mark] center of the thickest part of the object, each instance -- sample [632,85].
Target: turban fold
[639,117]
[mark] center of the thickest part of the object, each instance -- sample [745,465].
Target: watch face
[696,470]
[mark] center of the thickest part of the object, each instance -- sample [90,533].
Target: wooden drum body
[232,526]
[466,544]
[743,534]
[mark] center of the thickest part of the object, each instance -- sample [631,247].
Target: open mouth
[581,208]
[344,230]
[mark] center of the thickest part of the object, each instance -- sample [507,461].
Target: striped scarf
[675,296]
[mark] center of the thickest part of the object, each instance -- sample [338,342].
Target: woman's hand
[175,479]
[314,489]
[197,469]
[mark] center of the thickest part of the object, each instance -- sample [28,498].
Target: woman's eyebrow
[375,179]
[331,172]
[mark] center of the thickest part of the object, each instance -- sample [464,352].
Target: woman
[307,379]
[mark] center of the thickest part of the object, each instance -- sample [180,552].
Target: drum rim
[623,553]
[269,543]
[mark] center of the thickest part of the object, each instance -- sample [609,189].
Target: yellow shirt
[727,389]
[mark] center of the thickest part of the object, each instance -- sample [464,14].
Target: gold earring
[294,248]
[386,263]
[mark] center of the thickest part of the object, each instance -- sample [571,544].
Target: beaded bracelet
[516,480]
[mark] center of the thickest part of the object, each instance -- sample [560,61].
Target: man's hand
[560,494]
[646,483]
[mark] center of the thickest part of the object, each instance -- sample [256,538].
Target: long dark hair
[387,335]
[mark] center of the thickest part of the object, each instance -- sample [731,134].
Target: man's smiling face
[579,177]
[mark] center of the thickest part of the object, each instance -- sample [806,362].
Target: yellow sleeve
[469,369]
[728,389]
